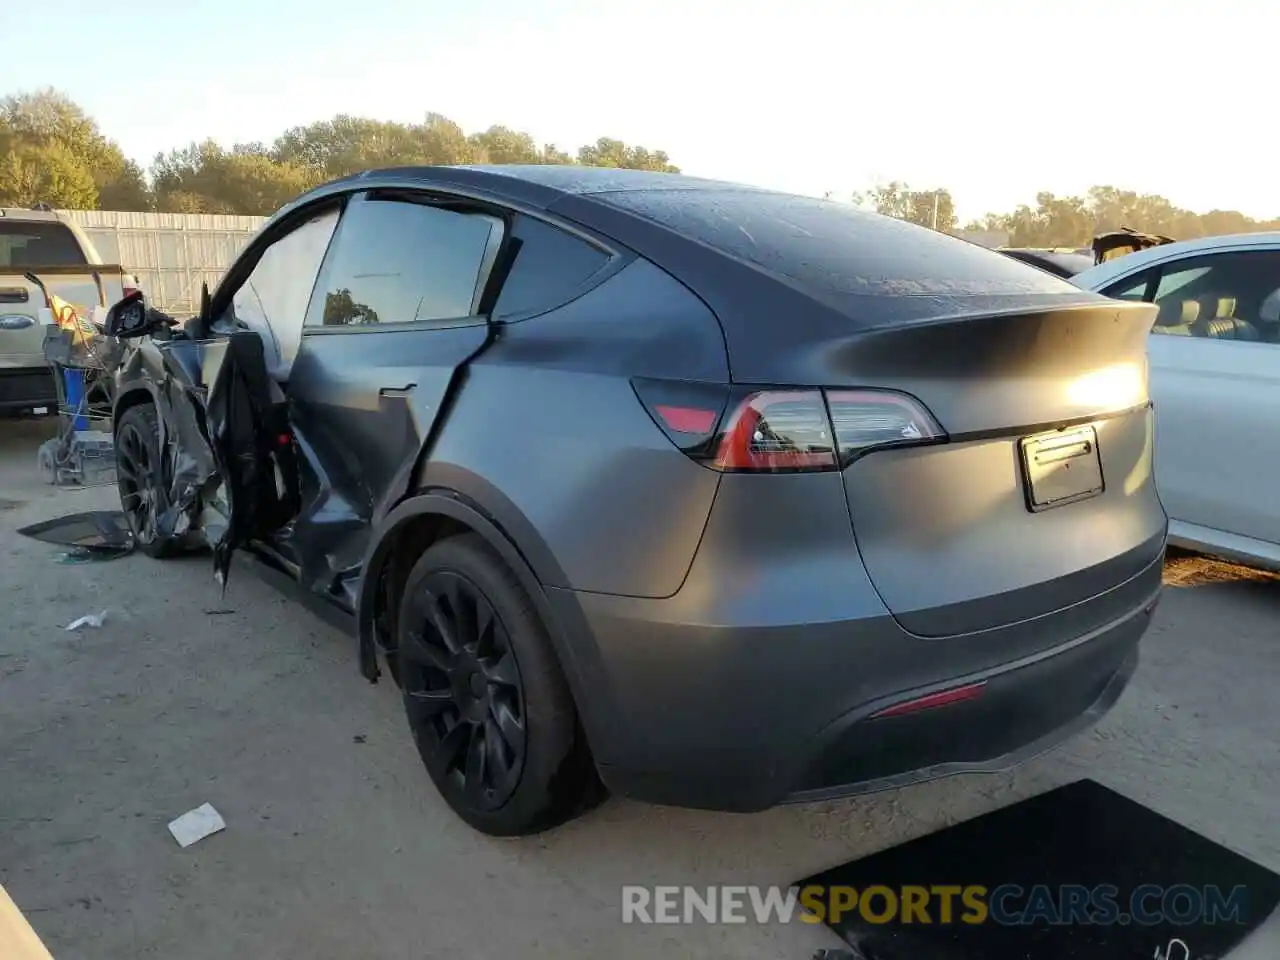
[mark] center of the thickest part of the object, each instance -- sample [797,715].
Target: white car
[1215,381]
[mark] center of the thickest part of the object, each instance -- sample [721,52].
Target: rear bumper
[1024,710]
[25,388]
[746,717]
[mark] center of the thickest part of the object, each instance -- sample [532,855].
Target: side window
[1131,288]
[1223,296]
[274,299]
[549,266]
[396,261]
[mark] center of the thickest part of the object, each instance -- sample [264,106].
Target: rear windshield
[40,244]
[836,249]
[1064,264]
[1072,263]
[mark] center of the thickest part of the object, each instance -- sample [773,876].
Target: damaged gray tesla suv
[717,496]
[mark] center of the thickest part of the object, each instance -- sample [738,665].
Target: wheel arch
[130,395]
[432,513]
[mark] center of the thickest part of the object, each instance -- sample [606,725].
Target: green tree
[928,208]
[553,154]
[607,152]
[1074,221]
[1052,222]
[32,173]
[49,120]
[205,178]
[347,145]
[503,145]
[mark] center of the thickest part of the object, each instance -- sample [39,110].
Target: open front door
[248,335]
[360,321]
[248,428]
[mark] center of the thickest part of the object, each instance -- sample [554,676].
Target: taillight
[863,419]
[775,431]
[783,430]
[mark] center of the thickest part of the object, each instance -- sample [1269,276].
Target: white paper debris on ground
[195,825]
[89,620]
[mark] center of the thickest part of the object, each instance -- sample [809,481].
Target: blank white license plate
[1061,467]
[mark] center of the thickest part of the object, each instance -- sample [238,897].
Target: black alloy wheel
[487,701]
[139,477]
[462,691]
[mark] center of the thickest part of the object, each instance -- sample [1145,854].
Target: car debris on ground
[194,825]
[94,620]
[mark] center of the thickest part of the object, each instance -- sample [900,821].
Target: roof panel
[567,178]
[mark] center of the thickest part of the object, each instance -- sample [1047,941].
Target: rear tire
[487,703]
[144,493]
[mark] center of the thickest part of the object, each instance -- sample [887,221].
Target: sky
[993,99]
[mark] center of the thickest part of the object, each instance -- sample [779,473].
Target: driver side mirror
[128,318]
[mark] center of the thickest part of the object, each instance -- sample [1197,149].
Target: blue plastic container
[73,380]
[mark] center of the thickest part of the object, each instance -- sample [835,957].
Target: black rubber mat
[1078,873]
[103,531]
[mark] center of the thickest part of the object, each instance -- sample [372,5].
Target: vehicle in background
[44,243]
[1122,242]
[728,496]
[1067,262]
[1215,380]
[1062,262]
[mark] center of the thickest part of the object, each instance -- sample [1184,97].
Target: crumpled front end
[227,459]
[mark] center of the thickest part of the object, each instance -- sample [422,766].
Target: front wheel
[488,705]
[140,479]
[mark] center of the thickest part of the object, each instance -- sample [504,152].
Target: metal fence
[171,254]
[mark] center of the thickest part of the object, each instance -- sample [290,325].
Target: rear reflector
[687,419]
[687,411]
[932,701]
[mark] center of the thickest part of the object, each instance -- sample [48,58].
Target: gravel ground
[336,844]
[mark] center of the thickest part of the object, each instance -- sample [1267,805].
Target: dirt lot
[336,845]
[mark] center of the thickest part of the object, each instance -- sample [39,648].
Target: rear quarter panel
[548,436]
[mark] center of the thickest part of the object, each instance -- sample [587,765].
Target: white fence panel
[171,254]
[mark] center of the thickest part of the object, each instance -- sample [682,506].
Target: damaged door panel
[393,320]
[169,376]
[226,472]
[248,428]
[294,417]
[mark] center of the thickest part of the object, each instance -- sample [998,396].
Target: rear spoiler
[1118,243]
